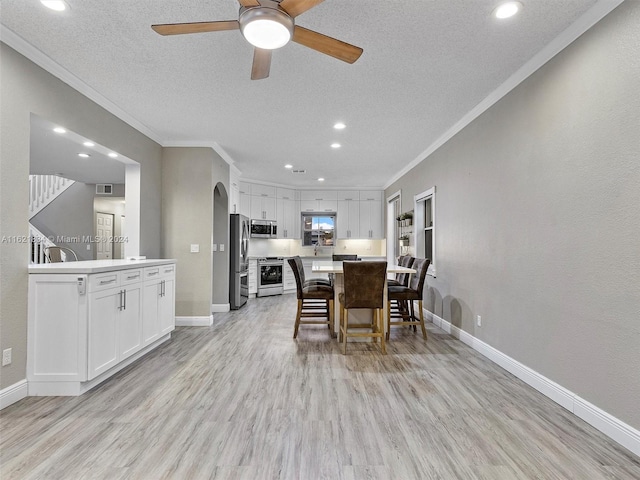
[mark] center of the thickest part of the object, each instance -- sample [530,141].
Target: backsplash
[259,247]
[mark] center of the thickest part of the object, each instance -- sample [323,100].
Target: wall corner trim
[194,321]
[13,393]
[612,427]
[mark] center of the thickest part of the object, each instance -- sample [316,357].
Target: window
[425,227]
[318,230]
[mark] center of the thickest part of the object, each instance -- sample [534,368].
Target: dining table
[360,315]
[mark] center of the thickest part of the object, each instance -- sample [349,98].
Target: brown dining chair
[342,257]
[402,279]
[336,257]
[404,296]
[310,281]
[314,301]
[363,288]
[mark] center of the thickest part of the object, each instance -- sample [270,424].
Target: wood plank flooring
[243,400]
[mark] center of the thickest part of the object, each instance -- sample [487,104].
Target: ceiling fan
[267,25]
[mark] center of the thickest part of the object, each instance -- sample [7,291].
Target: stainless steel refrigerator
[239,258]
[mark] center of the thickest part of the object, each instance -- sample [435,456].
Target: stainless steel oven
[264,229]
[270,276]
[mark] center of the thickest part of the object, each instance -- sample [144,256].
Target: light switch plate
[195,248]
[214,247]
[222,247]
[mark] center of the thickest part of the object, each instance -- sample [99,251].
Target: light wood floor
[243,400]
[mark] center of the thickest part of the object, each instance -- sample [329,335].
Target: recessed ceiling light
[321,179]
[89,144]
[335,145]
[339,126]
[113,155]
[84,155]
[59,130]
[506,10]
[288,165]
[57,5]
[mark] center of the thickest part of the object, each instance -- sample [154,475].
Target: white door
[104,234]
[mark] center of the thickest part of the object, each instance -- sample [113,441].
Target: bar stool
[311,281]
[402,279]
[404,296]
[363,288]
[314,300]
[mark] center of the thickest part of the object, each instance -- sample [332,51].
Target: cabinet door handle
[120,299]
[107,282]
[124,299]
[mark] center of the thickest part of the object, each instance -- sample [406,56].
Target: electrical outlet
[6,357]
[479,320]
[195,248]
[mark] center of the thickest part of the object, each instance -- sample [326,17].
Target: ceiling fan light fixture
[265,27]
[57,5]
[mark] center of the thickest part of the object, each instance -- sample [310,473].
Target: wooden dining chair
[363,288]
[314,301]
[404,296]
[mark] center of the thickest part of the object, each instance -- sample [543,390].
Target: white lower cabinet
[253,276]
[158,316]
[288,278]
[84,327]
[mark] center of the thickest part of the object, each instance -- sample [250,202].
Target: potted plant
[404,240]
[409,218]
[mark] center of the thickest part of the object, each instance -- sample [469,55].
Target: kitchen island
[88,320]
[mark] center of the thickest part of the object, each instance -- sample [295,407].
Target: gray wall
[70,215]
[25,88]
[538,219]
[220,269]
[189,176]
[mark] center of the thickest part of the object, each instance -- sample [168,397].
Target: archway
[220,251]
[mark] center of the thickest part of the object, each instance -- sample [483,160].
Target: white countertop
[96,266]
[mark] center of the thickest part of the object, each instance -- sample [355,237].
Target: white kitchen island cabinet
[88,320]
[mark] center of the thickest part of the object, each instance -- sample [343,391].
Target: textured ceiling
[425,65]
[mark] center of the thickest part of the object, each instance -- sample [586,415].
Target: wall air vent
[298,171]
[104,188]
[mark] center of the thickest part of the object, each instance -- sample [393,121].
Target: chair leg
[344,320]
[331,323]
[388,332]
[383,347]
[298,315]
[424,330]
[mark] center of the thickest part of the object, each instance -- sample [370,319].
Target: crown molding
[587,20]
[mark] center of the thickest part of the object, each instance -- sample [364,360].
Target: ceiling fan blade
[297,7]
[261,64]
[327,45]
[197,27]
[249,3]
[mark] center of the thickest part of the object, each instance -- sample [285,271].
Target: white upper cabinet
[288,213]
[263,202]
[318,201]
[348,214]
[371,219]
[245,199]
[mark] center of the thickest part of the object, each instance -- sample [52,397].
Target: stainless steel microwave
[264,229]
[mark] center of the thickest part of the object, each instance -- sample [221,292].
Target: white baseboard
[13,393]
[194,321]
[612,427]
[220,307]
